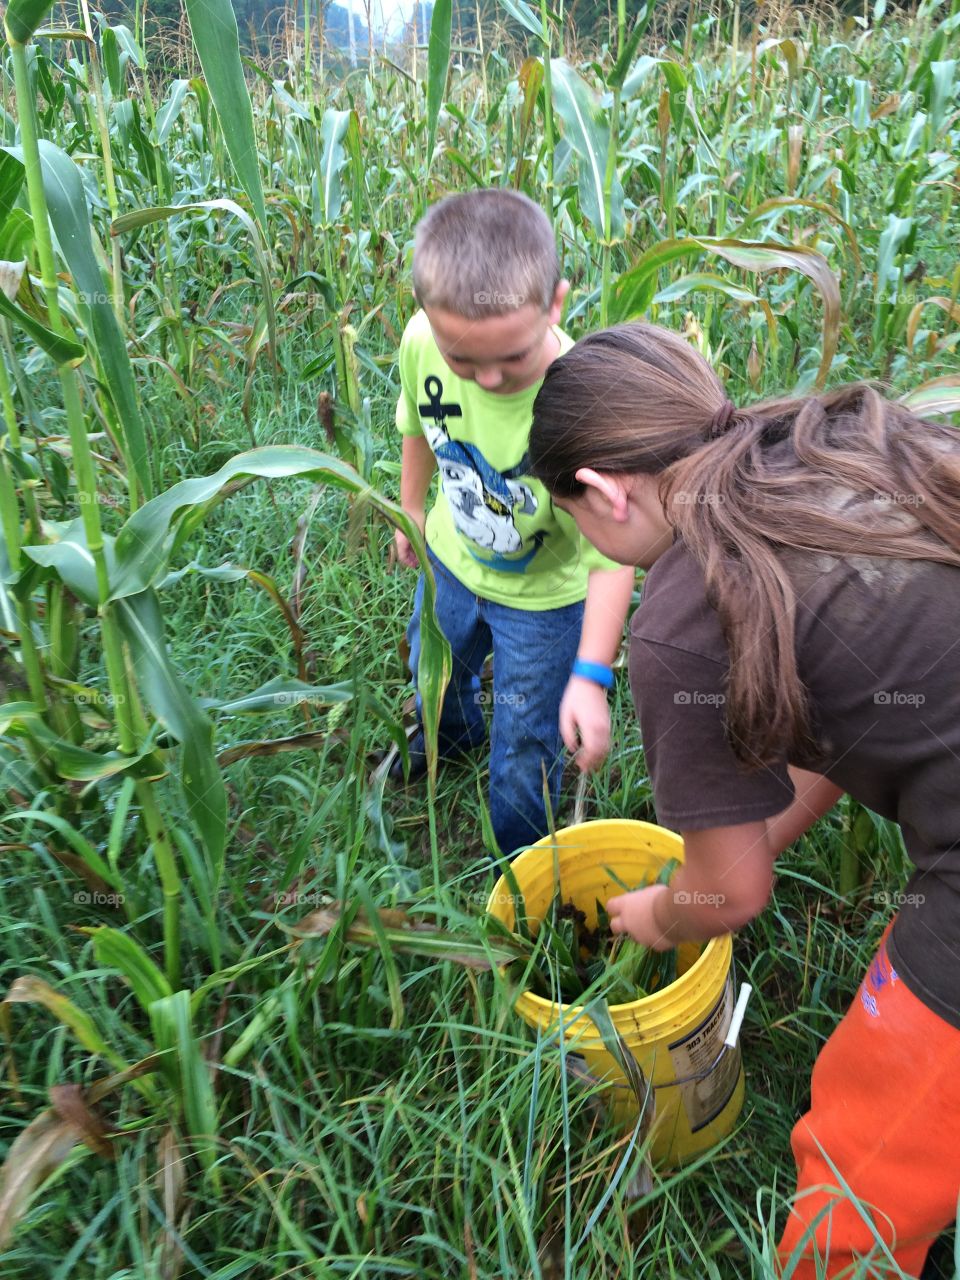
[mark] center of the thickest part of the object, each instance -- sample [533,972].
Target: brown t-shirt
[878,650]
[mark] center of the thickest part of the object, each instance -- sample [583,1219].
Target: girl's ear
[611,490]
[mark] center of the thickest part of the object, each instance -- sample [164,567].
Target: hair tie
[721,420]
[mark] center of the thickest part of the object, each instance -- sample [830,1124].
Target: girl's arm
[725,880]
[727,874]
[815,796]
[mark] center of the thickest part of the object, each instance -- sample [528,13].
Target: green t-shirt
[493,526]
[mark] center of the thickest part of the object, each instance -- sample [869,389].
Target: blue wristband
[594,671]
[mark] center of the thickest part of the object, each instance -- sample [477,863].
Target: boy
[512,573]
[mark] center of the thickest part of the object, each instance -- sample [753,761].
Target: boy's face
[503,354]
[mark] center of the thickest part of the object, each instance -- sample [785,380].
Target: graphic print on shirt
[482,500]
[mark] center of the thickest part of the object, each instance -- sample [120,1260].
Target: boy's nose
[489,378]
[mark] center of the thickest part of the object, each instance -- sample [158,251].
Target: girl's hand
[633,913]
[725,881]
[585,722]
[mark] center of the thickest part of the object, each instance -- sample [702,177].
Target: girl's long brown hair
[845,472]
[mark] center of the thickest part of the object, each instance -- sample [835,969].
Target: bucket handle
[729,1045]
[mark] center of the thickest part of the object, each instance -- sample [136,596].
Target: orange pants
[885,1113]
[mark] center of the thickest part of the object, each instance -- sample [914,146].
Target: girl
[796,639]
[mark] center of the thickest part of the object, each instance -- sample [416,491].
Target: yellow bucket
[680,1036]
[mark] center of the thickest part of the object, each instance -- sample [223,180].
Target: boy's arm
[584,713]
[416,471]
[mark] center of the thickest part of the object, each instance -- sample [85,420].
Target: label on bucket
[706,1092]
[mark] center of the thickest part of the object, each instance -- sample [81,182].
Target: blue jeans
[533,652]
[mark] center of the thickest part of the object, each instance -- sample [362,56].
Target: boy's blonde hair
[485,253]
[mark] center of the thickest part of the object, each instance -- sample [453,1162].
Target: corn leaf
[913,320]
[438,62]
[636,289]
[77,764]
[116,950]
[698,280]
[939,396]
[145,540]
[281,693]
[169,112]
[781,204]
[214,27]
[587,132]
[12,176]
[618,75]
[141,623]
[407,936]
[23,17]
[521,12]
[110,51]
[70,558]
[185,1067]
[30,990]
[144,544]
[809,263]
[310,741]
[79,843]
[333,130]
[70,218]
[61,350]
[894,238]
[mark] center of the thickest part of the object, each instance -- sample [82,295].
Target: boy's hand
[404,547]
[585,722]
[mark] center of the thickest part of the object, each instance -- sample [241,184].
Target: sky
[388,15]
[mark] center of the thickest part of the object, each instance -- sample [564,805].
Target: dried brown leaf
[37,1152]
[70,1104]
[271,747]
